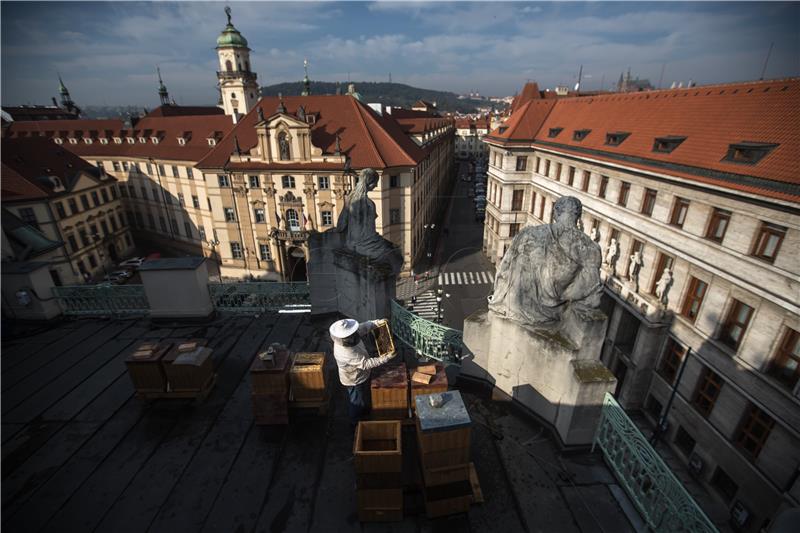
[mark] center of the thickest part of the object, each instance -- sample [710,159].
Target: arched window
[292,220]
[247,66]
[228,65]
[283,146]
[288,182]
[233,96]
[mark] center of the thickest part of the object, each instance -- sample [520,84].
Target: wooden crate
[188,377]
[380,515]
[145,370]
[444,458]
[438,383]
[308,376]
[378,447]
[447,506]
[445,475]
[379,480]
[271,379]
[270,408]
[380,505]
[434,441]
[389,391]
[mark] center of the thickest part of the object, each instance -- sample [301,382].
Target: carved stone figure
[594,235]
[548,270]
[611,254]
[357,223]
[260,113]
[663,285]
[633,269]
[283,145]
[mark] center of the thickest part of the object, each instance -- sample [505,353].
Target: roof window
[211,141]
[143,140]
[579,135]
[73,140]
[58,140]
[154,140]
[87,140]
[117,140]
[131,140]
[748,153]
[181,141]
[616,138]
[666,145]
[103,140]
[502,129]
[554,132]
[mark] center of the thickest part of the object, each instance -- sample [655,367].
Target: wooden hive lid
[390,377]
[282,358]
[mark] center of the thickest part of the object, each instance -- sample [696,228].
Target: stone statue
[548,270]
[260,113]
[663,285]
[357,224]
[611,254]
[633,269]
[283,145]
[594,235]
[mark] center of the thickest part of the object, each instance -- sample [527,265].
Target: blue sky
[107,52]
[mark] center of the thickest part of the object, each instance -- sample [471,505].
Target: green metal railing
[259,296]
[102,300]
[426,338]
[659,497]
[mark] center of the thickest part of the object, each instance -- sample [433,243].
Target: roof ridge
[363,124]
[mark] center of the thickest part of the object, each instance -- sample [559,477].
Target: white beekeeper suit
[353,360]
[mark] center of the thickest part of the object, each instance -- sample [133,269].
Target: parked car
[133,262]
[122,274]
[113,279]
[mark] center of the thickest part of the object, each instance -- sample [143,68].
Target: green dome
[230,36]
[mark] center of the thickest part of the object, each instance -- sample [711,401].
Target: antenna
[661,77]
[764,70]
[580,74]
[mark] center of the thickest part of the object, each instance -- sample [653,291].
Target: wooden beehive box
[383,338]
[266,378]
[378,447]
[270,408]
[188,376]
[380,505]
[438,383]
[443,433]
[308,376]
[144,366]
[389,392]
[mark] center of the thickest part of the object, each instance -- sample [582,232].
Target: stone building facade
[700,191]
[469,137]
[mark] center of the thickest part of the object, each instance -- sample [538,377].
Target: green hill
[393,94]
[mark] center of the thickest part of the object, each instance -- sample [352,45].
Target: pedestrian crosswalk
[466,278]
[425,305]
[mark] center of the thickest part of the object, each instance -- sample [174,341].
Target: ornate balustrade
[258,297]
[426,338]
[291,235]
[655,491]
[102,300]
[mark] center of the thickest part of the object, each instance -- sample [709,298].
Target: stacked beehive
[389,392]
[188,365]
[308,378]
[378,460]
[443,436]
[427,379]
[269,383]
[144,367]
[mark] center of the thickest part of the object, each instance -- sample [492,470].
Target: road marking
[440,279]
[458,277]
[471,278]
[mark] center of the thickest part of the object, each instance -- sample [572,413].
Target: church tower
[237,83]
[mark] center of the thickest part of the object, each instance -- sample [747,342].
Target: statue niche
[283,146]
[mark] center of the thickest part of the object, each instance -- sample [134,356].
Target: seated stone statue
[357,224]
[549,269]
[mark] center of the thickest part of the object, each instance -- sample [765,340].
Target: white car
[125,274]
[133,262]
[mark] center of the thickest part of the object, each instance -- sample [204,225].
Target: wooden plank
[31,339]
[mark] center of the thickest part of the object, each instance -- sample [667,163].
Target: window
[187,227]
[288,182]
[113,223]
[292,220]
[264,253]
[189,173]
[718,225]
[547,168]
[163,224]
[666,145]
[664,262]
[708,387]
[769,240]
[116,166]
[616,138]
[533,200]
[671,361]
[201,230]
[684,442]
[649,202]
[736,324]
[559,166]
[73,243]
[694,298]
[522,162]
[254,182]
[586,177]
[748,153]
[161,170]
[394,216]
[724,485]
[624,190]
[149,168]
[513,229]
[175,172]
[230,215]
[679,210]
[139,220]
[114,192]
[181,199]
[653,407]
[541,207]
[195,201]
[84,237]
[154,191]
[132,192]
[258,214]
[84,201]
[105,227]
[104,194]
[29,217]
[571,176]
[754,431]
[785,367]
[100,165]
[92,261]
[553,132]
[324,182]
[172,221]
[223,180]
[125,165]
[516,200]
[327,217]
[236,250]
[579,135]
[601,192]
[151,220]
[168,197]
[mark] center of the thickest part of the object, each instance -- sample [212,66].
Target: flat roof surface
[81,453]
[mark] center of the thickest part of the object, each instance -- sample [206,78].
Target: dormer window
[58,140]
[311,119]
[143,140]
[502,129]
[616,138]
[181,141]
[131,140]
[579,135]
[666,145]
[103,141]
[73,140]
[211,141]
[748,153]
[117,140]
[87,140]
[554,132]
[154,140]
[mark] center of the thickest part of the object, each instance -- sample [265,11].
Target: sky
[107,52]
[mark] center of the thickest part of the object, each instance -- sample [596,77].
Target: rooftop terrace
[81,453]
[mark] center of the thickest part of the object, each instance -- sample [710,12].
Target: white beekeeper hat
[341,329]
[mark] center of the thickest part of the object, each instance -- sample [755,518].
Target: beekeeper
[354,363]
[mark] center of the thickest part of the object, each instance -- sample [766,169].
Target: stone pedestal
[346,282]
[557,375]
[26,291]
[177,288]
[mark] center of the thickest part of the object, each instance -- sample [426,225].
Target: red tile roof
[525,123]
[421,125]
[370,140]
[182,111]
[529,92]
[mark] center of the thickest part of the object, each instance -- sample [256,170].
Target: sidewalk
[406,287]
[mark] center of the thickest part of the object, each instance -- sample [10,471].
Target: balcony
[236,75]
